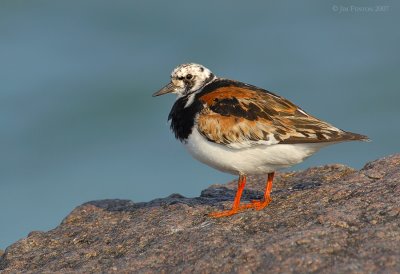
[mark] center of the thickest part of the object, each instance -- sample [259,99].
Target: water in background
[78,122]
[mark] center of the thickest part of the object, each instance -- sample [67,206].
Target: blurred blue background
[78,122]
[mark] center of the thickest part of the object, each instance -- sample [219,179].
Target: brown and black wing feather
[238,114]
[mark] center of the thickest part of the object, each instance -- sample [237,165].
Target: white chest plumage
[258,159]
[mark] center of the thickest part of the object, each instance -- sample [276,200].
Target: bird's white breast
[257,159]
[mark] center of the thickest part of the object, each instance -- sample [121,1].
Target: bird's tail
[350,136]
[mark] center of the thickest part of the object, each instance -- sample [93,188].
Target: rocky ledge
[324,219]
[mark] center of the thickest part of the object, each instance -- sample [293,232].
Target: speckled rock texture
[329,219]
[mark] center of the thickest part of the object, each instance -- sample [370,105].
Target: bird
[242,129]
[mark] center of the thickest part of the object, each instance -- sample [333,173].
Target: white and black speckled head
[187,79]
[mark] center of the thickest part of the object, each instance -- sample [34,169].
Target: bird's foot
[260,204]
[225,213]
[256,204]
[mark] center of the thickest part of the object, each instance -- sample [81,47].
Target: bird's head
[186,79]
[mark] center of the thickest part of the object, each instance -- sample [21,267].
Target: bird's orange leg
[258,205]
[236,202]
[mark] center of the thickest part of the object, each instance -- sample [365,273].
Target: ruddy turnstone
[242,129]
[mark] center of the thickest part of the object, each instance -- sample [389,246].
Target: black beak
[167,89]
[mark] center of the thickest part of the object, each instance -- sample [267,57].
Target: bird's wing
[240,115]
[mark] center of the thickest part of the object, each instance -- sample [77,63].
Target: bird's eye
[189,76]
[180,78]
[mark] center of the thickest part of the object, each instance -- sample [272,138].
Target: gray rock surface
[329,219]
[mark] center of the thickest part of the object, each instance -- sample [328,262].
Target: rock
[329,219]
